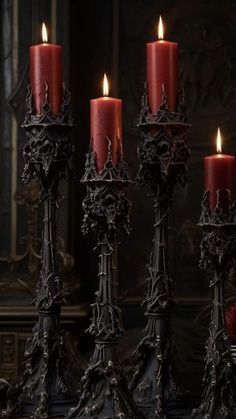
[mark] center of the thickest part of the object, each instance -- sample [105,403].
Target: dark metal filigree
[163,115]
[218,243]
[47,148]
[163,150]
[218,249]
[105,392]
[163,153]
[106,206]
[47,386]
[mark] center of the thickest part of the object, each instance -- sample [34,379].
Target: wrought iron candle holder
[46,390]
[218,249]
[163,153]
[106,207]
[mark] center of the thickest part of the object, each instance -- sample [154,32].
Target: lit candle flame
[44,33]
[218,141]
[160,29]
[105,86]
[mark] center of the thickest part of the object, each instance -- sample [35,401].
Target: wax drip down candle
[162,70]
[106,125]
[220,172]
[46,74]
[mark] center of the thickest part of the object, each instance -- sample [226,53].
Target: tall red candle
[220,176]
[162,70]
[106,123]
[46,67]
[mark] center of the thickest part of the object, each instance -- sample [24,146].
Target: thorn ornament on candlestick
[218,249]
[47,387]
[106,212]
[163,153]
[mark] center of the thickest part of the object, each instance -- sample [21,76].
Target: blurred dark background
[110,36]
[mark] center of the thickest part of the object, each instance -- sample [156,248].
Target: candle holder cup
[218,249]
[106,207]
[163,153]
[47,387]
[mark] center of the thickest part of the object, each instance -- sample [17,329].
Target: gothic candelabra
[218,249]
[46,389]
[163,153]
[104,389]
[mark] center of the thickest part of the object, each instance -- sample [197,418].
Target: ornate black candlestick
[47,386]
[219,250]
[163,153]
[105,392]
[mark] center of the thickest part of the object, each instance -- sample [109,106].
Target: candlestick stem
[217,320]
[157,346]
[106,290]
[106,324]
[159,257]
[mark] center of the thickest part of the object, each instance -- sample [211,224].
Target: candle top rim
[45,44]
[220,155]
[162,41]
[106,98]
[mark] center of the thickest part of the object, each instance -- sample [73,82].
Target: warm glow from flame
[105,86]
[218,141]
[44,33]
[160,29]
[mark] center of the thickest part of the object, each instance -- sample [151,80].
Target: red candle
[162,70]
[106,123]
[46,67]
[220,176]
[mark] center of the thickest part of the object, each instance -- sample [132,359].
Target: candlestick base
[105,392]
[153,378]
[218,249]
[163,153]
[47,387]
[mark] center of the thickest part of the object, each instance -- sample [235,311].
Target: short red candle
[162,70]
[220,176]
[106,123]
[46,67]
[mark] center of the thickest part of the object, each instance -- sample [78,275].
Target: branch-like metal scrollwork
[163,150]
[218,249]
[106,212]
[47,385]
[163,153]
